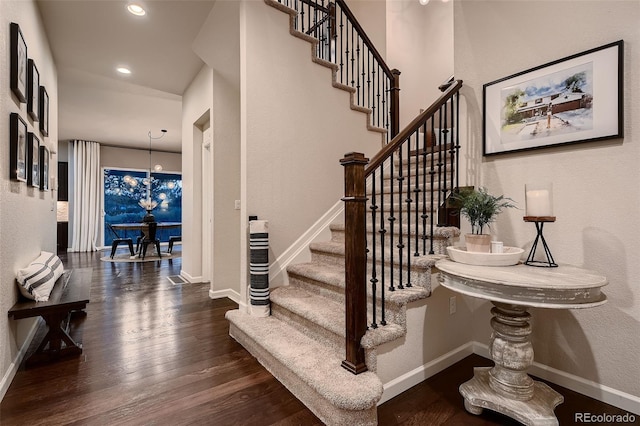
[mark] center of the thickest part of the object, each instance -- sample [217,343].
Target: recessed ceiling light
[123,70]
[136,9]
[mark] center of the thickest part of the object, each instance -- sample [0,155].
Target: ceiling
[89,39]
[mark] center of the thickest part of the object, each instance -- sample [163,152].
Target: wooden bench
[70,293]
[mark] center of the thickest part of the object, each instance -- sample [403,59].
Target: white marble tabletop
[564,287]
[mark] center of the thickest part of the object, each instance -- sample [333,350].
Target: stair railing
[343,42]
[402,187]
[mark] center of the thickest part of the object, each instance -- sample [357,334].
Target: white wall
[196,102]
[420,45]
[372,16]
[596,200]
[27,216]
[218,46]
[126,158]
[295,129]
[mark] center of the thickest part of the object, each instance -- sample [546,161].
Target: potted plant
[480,208]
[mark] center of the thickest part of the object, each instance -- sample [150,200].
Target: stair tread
[317,309]
[443,232]
[330,315]
[314,363]
[337,249]
[335,277]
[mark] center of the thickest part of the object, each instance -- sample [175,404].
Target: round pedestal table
[506,387]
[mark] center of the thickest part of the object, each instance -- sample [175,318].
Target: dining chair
[172,240]
[117,240]
[150,238]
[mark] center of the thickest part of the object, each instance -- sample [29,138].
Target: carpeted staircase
[302,342]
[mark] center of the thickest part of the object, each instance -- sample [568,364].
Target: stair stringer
[334,67]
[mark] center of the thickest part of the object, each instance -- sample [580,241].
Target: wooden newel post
[395,104]
[355,260]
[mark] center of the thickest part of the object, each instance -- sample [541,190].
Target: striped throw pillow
[37,280]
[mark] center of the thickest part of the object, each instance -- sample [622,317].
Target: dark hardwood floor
[160,354]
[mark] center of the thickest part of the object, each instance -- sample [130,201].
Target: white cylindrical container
[497,247]
[538,200]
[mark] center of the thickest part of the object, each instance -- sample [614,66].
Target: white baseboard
[15,364]
[400,384]
[606,394]
[298,252]
[231,294]
[189,278]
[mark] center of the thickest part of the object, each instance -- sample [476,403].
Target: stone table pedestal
[506,387]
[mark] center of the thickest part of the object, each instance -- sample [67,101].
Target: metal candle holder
[540,221]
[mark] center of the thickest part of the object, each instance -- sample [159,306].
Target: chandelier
[147,203]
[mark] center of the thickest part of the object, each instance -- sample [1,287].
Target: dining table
[139,226]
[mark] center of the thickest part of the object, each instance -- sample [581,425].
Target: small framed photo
[44,111]
[33,160]
[571,100]
[44,168]
[33,100]
[18,63]
[18,148]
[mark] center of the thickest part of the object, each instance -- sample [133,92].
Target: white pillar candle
[538,202]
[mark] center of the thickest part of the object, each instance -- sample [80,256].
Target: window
[123,190]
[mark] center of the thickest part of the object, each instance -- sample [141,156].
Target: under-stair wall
[295,128]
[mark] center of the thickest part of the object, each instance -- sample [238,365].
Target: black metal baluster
[382,232]
[353,83]
[358,69]
[457,98]
[362,103]
[374,265]
[408,201]
[424,189]
[452,150]
[369,79]
[392,220]
[400,245]
[445,137]
[374,92]
[439,139]
[432,172]
[416,194]
[342,80]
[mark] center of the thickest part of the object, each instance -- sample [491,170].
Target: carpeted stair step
[329,283]
[332,254]
[309,369]
[388,183]
[442,236]
[323,319]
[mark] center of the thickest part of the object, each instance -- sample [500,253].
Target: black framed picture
[44,111]
[33,100]
[18,148]
[18,63]
[44,168]
[575,99]
[33,160]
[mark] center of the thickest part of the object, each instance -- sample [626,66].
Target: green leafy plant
[479,207]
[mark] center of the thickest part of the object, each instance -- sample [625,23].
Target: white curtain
[86,196]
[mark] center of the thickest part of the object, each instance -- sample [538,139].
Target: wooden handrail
[388,149]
